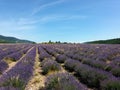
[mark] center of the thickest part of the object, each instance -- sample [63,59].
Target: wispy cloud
[27,21]
[37,9]
[52,18]
[13,25]
[31,23]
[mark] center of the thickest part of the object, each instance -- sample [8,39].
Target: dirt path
[37,80]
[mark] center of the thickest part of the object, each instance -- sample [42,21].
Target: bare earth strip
[37,81]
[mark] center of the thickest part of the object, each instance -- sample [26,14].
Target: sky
[60,20]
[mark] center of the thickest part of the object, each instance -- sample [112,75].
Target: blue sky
[60,20]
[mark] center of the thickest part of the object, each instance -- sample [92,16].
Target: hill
[109,41]
[5,39]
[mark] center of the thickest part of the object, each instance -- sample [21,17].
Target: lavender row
[11,49]
[95,52]
[91,76]
[50,50]
[3,66]
[19,75]
[112,67]
[43,54]
[16,56]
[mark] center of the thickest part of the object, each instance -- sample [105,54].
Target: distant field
[59,67]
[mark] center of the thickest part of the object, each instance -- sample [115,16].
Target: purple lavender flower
[110,84]
[63,81]
[70,64]
[3,66]
[50,65]
[23,70]
[61,58]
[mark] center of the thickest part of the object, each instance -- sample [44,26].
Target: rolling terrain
[4,39]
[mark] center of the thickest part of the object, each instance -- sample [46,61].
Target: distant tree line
[56,42]
[110,41]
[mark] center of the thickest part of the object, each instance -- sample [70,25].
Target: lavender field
[59,67]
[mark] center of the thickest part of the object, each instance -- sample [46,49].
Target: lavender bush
[61,58]
[50,65]
[63,81]
[43,54]
[90,76]
[70,64]
[110,84]
[23,70]
[116,71]
[3,66]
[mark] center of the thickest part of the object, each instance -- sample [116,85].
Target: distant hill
[109,41]
[4,39]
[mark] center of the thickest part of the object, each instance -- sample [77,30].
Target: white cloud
[36,10]
[13,25]
[49,18]
[22,24]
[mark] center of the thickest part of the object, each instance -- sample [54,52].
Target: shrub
[70,64]
[110,84]
[14,82]
[97,64]
[50,65]
[61,58]
[3,66]
[116,71]
[90,76]
[63,81]
[44,55]
[9,88]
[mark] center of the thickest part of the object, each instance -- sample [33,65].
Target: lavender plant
[63,81]
[70,64]
[3,66]
[61,58]
[23,70]
[110,84]
[50,65]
